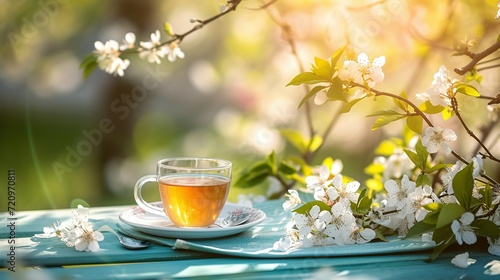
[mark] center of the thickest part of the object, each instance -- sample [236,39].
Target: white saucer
[152,224]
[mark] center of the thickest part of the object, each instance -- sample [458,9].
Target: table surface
[248,255]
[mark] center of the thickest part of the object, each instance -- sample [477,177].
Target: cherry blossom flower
[87,239]
[319,179]
[399,195]
[283,244]
[76,233]
[153,50]
[50,231]
[128,42]
[436,137]
[358,235]
[441,90]
[363,72]
[293,200]
[463,260]
[396,165]
[174,52]
[494,247]
[463,230]
[345,191]
[420,197]
[108,58]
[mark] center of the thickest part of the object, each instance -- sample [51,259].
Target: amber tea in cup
[193,191]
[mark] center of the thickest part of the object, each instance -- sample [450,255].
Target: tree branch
[478,57]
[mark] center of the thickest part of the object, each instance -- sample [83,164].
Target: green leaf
[385,120]
[431,218]
[422,154]
[316,143]
[448,213]
[486,228]
[167,27]
[348,106]
[488,196]
[89,63]
[261,166]
[463,183]
[271,161]
[336,91]
[401,104]
[447,113]
[385,113]
[413,157]
[380,235]
[433,206]
[252,179]
[467,90]
[446,242]
[364,202]
[306,208]
[322,68]
[428,108]
[419,229]
[286,168]
[423,180]
[335,58]
[311,94]
[415,123]
[306,78]
[437,167]
[294,138]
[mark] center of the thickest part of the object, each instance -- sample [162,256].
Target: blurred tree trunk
[118,145]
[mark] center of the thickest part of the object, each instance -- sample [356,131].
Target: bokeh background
[68,138]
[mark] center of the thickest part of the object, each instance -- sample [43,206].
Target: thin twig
[488,67]
[478,57]
[454,106]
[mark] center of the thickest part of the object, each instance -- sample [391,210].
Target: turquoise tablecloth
[246,255]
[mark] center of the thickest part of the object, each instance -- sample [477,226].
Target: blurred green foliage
[225,99]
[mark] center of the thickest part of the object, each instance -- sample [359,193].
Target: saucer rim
[189,233]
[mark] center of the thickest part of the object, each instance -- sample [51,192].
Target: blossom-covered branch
[109,56]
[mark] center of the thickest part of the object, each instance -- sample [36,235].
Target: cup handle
[140,201]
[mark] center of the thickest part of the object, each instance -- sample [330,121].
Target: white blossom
[128,42]
[441,89]
[363,72]
[399,195]
[87,239]
[174,52]
[153,50]
[420,197]
[436,138]
[358,235]
[396,165]
[76,233]
[319,179]
[494,247]
[108,58]
[463,260]
[463,230]
[345,191]
[292,201]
